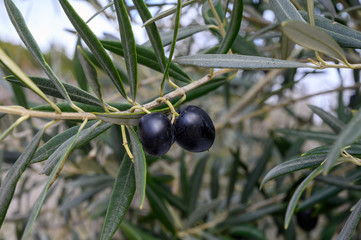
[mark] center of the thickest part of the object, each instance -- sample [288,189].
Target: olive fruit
[156,133]
[306,219]
[194,129]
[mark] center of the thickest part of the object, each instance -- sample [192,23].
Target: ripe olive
[194,129]
[306,219]
[156,133]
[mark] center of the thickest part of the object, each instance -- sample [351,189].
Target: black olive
[156,133]
[194,129]
[306,219]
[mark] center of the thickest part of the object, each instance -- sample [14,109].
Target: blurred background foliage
[262,121]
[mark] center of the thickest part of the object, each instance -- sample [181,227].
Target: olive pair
[193,130]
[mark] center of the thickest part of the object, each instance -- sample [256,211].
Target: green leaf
[293,166]
[90,73]
[307,134]
[11,179]
[285,10]
[12,67]
[297,194]
[237,62]
[166,13]
[164,193]
[54,174]
[184,187]
[327,192]
[20,96]
[249,217]
[233,175]
[94,45]
[345,36]
[339,182]
[78,69]
[152,32]
[121,198]
[354,149]
[130,232]
[140,167]
[349,134]
[127,38]
[174,41]
[215,178]
[313,38]
[233,27]
[148,58]
[83,197]
[196,180]
[20,25]
[159,209]
[201,212]
[253,177]
[84,136]
[167,37]
[45,151]
[333,122]
[351,223]
[47,86]
[248,232]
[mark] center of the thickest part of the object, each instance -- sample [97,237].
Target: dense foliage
[71,161]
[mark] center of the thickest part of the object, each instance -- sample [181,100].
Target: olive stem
[125,143]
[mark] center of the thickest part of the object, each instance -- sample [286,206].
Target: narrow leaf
[90,73]
[140,167]
[148,58]
[297,194]
[345,36]
[46,150]
[201,212]
[256,173]
[166,13]
[285,10]
[54,174]
[215,178]
[127,37]
[313,38]
[152,32]
[347,136]
[351,223]
[160,209]
[56,156]
[333,122]
[196,180]
[12,177]
[167,37]
[233,27]
[77,68]
[164,193]
[94,45]
[293,166]
[237,62]
[121,198]
[47,86]
[307,134]
[20,25]
[10,64]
